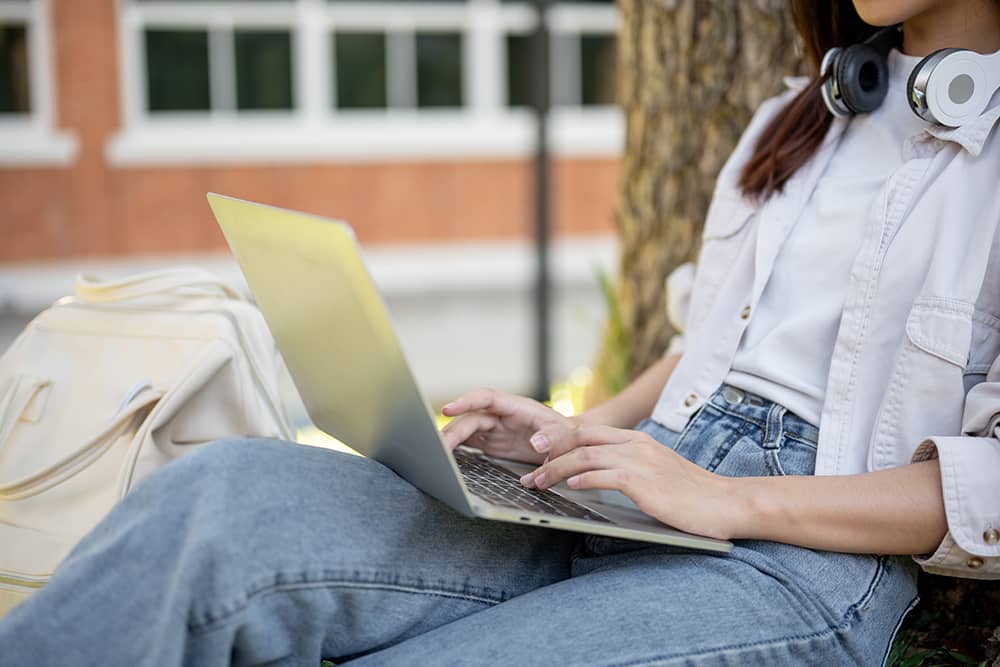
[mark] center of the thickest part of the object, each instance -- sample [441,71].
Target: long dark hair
[798,129]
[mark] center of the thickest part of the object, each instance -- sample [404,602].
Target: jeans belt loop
[775,428]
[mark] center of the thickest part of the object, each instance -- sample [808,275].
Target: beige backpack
[105,387]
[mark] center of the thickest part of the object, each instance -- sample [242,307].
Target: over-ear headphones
[950,87]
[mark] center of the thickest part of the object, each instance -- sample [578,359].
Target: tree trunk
[690,74]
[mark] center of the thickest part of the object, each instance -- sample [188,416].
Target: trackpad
[612,497]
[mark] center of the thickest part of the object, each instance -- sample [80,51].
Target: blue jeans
[262,552]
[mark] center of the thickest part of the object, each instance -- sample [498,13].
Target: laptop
[334,332]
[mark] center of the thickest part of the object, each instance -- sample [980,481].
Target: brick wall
[91,209]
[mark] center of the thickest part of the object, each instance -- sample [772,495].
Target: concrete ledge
[21,149]
[464,312]
[27,288]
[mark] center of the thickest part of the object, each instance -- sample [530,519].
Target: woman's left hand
[662,483]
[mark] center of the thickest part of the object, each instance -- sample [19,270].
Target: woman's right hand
[499,424]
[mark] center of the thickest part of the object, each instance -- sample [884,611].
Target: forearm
[897,511]
[636,401]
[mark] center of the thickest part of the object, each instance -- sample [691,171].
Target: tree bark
[690,74]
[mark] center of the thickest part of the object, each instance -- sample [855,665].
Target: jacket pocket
[926,391]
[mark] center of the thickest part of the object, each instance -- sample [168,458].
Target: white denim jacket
[915,372]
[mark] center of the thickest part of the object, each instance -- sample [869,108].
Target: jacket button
[690,400]
[974,563]
[991,536]
[745,314]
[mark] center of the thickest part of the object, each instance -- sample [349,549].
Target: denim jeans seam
[666,659]
[773,463]
[723,450]
[774,427]
[899,623]
[687,428]
[799,439]
[760,424]
[835,618]
[872,588]
[210,622]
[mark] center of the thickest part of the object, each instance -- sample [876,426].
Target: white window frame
[31,139]
[315,130]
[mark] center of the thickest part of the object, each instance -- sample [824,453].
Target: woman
[839,286]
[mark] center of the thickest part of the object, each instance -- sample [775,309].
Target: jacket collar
[971,137]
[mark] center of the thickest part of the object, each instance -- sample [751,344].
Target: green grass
[956,623]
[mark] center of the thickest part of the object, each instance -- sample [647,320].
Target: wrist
[605,414]
[586,417]
[745,510]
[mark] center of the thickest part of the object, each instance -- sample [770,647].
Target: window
[263,69]
[360,67]
[426,70]
[177,70]
[439,69]
[27,128]
[14,97]
[582,58]
[597,70]
[520,70]
[419,78]
[220,69]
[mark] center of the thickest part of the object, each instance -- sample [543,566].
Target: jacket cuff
[969,467]
[676,346]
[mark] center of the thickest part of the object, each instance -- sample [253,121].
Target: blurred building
[406,118]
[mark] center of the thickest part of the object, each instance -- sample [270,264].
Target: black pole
[541,103]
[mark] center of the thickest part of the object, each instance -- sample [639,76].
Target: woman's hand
[662,483]
[499,424]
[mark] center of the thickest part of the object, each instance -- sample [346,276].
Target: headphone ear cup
[828,90]
[862,78]
[953,86]
[916,84]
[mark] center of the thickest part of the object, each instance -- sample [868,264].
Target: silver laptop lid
[331,325]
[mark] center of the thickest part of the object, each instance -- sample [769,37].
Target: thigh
[639,605]
[629,603]
[253,537]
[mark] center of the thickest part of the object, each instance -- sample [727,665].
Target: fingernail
[540,442]
[448,406]
[573,481]
[526,479]
[540,480]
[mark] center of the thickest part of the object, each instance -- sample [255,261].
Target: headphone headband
[950,87]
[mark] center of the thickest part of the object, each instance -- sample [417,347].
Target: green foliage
[613,367]
[956,623]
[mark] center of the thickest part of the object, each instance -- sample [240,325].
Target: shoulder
[762,117]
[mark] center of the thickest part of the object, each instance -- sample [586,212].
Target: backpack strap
[15,400]
[179,281]
[89,452]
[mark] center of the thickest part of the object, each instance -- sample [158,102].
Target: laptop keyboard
[499,486]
